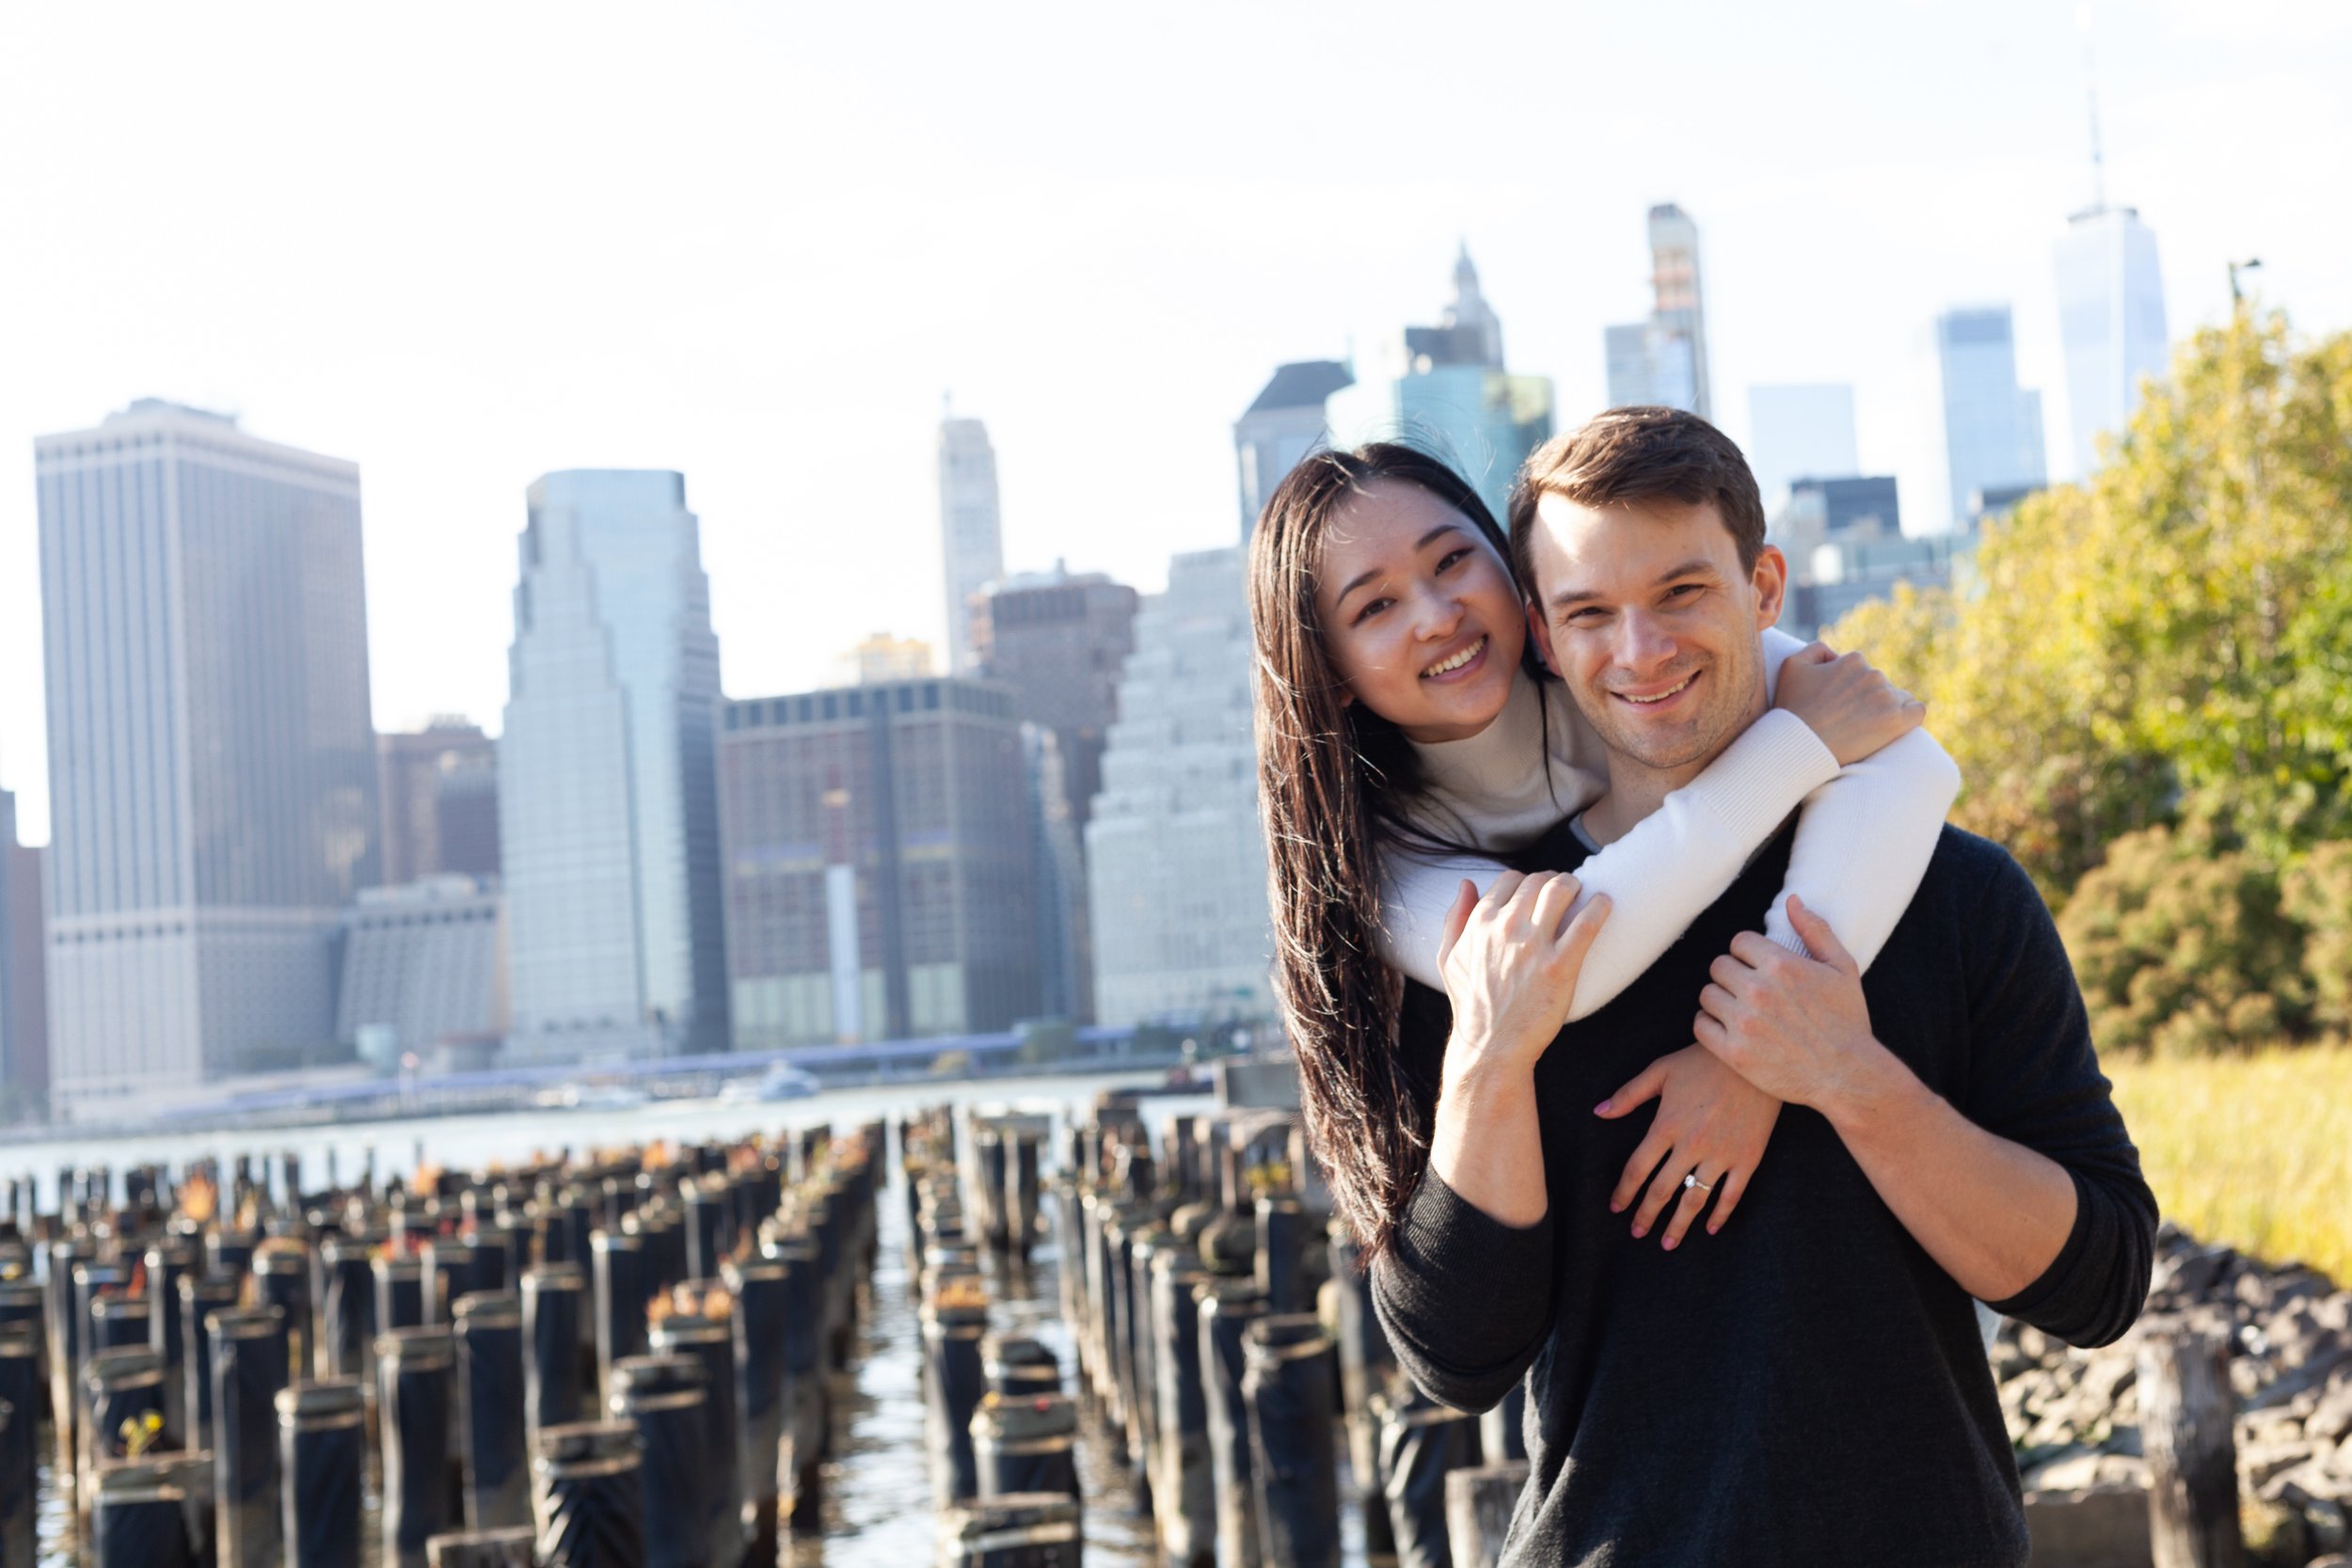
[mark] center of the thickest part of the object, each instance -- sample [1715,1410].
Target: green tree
[2184,949]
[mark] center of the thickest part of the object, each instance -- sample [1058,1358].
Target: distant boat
[590,1097]
[780,1081]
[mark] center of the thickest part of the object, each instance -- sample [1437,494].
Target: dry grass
[2254,1150]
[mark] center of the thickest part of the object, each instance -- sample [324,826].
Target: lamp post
[2237,296]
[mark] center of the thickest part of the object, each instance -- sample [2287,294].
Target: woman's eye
[1371,610]
[1451,559]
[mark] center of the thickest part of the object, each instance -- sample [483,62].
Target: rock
[2275,1533]
[2070,1469]
[2331,1417]
[2269,1426]
[2257,1462]
[2191,1274]
[2330,1526]
[2306,1484]
[2104,1527]
[2106,1376]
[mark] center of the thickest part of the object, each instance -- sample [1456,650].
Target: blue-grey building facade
[1990,428]
[1443,387]
[211,758]
[608,776]
[1283,424]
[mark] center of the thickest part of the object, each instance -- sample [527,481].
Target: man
[1806,1386]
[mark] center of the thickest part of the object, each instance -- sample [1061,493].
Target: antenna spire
[2090,92]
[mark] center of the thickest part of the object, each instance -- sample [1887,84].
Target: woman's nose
[1437,614]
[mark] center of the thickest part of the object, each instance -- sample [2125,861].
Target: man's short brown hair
[1637,453]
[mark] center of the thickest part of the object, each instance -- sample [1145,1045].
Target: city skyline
[415,319]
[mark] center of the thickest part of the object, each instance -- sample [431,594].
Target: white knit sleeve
[1660,877]
[1864,842]
[1866,837]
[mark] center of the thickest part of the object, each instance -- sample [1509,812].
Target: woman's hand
[1710,1121]
[1853,707]
[1510,961]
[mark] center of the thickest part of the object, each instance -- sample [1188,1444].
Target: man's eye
[1579,617]
[1682,590]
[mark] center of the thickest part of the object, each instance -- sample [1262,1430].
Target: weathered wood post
[2185,1409]
[1478,1505]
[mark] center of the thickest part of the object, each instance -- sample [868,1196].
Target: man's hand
[1851,706]
[1709,1120]
[1795,1027]
[1991,1212]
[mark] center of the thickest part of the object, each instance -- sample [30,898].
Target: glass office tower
[608,780]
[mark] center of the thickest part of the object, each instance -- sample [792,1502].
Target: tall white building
[212,757]
[2111,319]
[1663,359]
[1175,852]
[1799,432]
[608,776]
[971,530]
[1988,429]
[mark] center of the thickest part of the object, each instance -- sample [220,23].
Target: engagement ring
[1692,1180]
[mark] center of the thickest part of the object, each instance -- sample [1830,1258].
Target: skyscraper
[1989,431]
[1799,432]
[971,530]
[2111,319]
[211,759]
[1663,359]
[1061,641]
[1280,426]
[24,984]
[1443,387]
[1175,854]
[879,866]
[608,775]
[439,789]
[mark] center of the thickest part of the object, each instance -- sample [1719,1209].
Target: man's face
[1644,610]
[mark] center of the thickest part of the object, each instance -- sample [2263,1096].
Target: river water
[877,1504]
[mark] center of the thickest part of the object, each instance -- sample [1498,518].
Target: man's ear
[1539,634]
[1771,579]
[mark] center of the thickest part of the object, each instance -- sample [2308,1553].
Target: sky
[466,245]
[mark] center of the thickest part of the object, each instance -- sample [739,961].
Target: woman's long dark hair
[1336,781]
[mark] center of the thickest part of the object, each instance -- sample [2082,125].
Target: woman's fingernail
[1615,1207]
[1602,1109]
[1669,1243]
[1639,1232]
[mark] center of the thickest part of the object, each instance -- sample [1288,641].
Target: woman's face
[1420,615]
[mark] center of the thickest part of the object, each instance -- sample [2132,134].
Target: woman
[1389,776]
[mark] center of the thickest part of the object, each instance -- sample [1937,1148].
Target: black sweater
[1808,1386]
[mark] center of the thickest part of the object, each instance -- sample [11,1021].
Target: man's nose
[1644,642]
